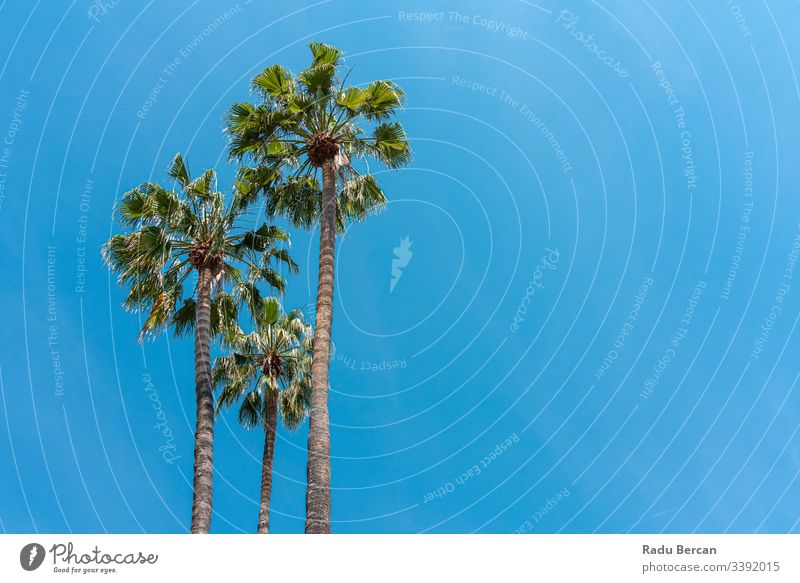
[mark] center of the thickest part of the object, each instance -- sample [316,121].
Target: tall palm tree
[268,372]
[305,126]
[194,232]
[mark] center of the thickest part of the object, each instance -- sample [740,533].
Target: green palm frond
[243,378]
[361,196]
[179,171]
[324,54]
[297,199]
[168,234]
[247,293]
[261,239]
[160,314]
[202,186]
[282,135]
[382,100]
[250,410]
[295,403]
[351,99]
[390,145]
[269,313]
[268,275]
[275,81]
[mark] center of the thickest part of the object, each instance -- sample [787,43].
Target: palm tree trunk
[318,492]
[270,425]
[204,433]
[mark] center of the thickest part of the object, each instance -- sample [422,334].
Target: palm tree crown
[273,359]
[176,233]
[304,120]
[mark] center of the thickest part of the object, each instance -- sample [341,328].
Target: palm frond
[179,171]
[324,54]
[301,113]
[275,81]
[244,378]
[390,145]
[172,233]
[382,100]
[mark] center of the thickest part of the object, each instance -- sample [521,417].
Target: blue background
[525,141]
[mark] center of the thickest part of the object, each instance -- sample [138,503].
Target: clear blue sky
[595,330]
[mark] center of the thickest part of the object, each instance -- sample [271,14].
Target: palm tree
[267,372]
[196,232]
[306,125]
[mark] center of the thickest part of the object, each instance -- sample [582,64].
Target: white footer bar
[389,558]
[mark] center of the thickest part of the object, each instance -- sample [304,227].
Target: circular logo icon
[31,556]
